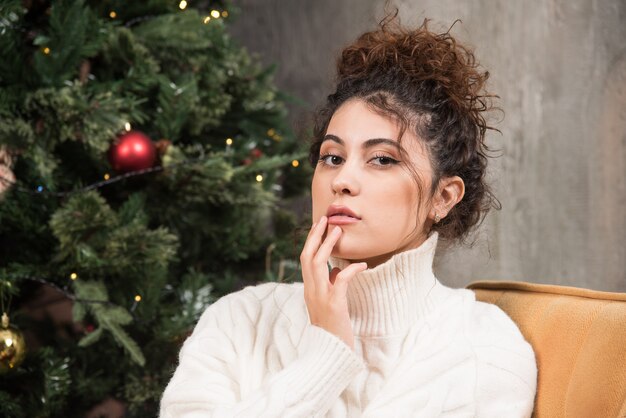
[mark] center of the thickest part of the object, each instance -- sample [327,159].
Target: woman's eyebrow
[366,144]
[334,138]
[375,141]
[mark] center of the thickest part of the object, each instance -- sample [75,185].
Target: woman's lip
[341,220]
[340,210]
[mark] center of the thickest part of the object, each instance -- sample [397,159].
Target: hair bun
[418,55]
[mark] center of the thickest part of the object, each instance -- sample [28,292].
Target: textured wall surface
[560,69]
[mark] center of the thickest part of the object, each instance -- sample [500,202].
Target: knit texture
[421,350]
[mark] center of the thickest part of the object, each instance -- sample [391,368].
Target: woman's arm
[220,357]
[223,361]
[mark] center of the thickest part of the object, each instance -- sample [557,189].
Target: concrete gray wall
[560,69]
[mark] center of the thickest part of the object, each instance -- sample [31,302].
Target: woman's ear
[449,193]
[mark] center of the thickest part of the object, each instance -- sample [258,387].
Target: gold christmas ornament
[12,346]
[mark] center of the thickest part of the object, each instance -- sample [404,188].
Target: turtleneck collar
[392,296]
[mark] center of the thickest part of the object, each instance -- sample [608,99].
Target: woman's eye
[384,160]
[330,159]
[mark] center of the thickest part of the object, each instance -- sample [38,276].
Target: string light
[127,126]
[107,176]
[46,50]
[73,276]
[259,178]
[75,298]
[215,14]
[182,5]
[137,298]
[102,183]
[229,141]
[112,14]
[295,163]
[224,13]
[207,19]
[274,135]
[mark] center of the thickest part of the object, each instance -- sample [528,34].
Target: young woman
[400,161]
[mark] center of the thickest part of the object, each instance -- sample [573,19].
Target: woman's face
[361,171]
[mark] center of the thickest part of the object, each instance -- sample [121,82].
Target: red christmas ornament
[132,151]
[256,153]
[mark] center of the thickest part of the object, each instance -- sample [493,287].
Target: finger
[346,275]
[319,266]
[311,229]
[308,252]
[327,246]
[314,239]
[333,274]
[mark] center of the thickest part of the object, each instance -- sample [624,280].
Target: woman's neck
[391,297]
[375,261]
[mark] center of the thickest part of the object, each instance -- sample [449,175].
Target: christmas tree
[145,162]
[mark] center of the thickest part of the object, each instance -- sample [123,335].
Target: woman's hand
[324,293]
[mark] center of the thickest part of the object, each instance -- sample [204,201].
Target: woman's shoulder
[479,317]
[494,337]
[505,360]
[488,323]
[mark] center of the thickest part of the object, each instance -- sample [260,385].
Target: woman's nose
[345,181]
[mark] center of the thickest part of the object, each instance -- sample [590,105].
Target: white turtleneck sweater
[421,350]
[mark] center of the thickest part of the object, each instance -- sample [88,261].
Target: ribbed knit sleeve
[506,371]
[224,366]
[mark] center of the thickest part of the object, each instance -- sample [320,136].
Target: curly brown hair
[433,85]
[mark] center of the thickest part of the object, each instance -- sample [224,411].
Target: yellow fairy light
[46,50]
[229,141]
[207,19]
[137,298]
[107,176]
[215,14]
[112,14]
[259,178]
[295,163]
[271,132]
[73,276]
[224,13]
[182,5]
[127,126]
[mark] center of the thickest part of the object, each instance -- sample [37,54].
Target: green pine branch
[74,32]
[109,317]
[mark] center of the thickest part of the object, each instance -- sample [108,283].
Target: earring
[437,218]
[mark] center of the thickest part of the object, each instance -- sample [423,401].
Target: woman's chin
[342,253]
[351,254]
[357,255]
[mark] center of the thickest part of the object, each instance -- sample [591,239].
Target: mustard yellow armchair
[579,338]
